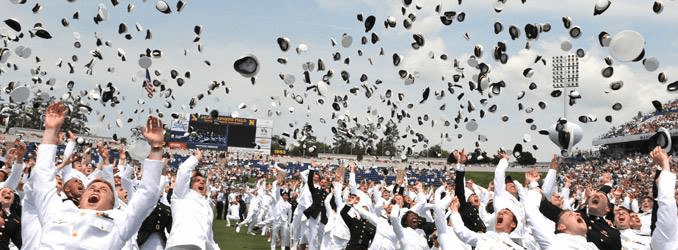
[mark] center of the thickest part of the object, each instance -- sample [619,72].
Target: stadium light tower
[565,75]
[565,134]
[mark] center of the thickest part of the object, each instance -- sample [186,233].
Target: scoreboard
[221,132]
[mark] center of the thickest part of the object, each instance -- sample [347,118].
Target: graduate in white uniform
[192,215]
[94,224]
[665,235]
[233,212]
[407,227]
[569,231]
[505,223]
[282,216]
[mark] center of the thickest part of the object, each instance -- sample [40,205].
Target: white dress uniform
[336,233]
[481,241]
[282,219]
[446,237]
[233,213]
[504,199]
[543,228]
[64,226]
[31,230]
[385,238]
[665,235]
[192,214]
[632,241]
[410,239]
[646,222]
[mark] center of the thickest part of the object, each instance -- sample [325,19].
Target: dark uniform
[159,220]
[599,231]
[10,231]
[318,205]
[469,213]
[362,232]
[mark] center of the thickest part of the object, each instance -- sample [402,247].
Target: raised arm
[337,194]
[184,172]
[540,226]
[70,144]
[500,175]
[353,185]
[143,202]
[666,212]
[499,180]
[15,174]
[465,235]
[44,186]
[439,216]
[395,221]
[550,179]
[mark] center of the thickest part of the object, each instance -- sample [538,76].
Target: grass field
[228,239]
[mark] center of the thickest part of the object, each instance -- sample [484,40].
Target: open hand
[554,162]
[661,158]
[460,156]
[55,115]
[153,132]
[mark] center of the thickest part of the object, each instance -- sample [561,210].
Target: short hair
[195,175]
[109,186]
[558,220]
[403,220]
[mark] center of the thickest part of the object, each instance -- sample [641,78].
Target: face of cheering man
[387,208]
[622,220]
[635,222]
[117,180]
[323,182]
[571,223]
[74,189]
[6,197]
[556,200]
[285,196]
[598,204]
[198,184]
[413,220]
[122,194]
[385,194]
[363,186]
[408,200]
[77,165]
[647,204]
[88,169]
[98,196]
[511,188]
[506,221]
[474,200]
[316,179]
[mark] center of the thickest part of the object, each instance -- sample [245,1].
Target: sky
[233,29]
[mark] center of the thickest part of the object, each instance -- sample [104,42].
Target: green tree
[387,144]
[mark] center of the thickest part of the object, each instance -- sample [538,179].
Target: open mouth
[93,199]
[500,220]
[580,220]
[201,188]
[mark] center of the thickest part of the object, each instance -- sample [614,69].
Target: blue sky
[235,28]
